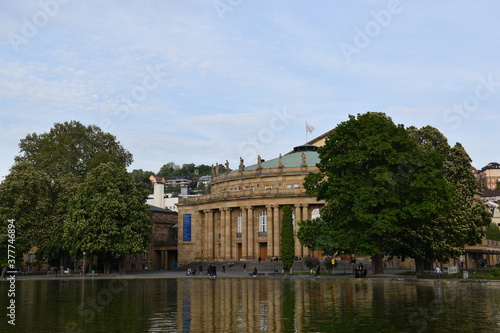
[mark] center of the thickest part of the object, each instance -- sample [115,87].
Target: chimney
[159,190]
[184,190]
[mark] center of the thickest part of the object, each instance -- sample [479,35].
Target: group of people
[360,271]
[212,271]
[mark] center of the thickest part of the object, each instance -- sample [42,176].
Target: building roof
[155,209]
[490,193]
[157,179]
[318,139]
[491,165]
[289,160]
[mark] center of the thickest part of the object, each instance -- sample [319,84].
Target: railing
[243,193]
[262,234]
[238,234]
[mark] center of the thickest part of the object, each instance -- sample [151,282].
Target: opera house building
[241,218]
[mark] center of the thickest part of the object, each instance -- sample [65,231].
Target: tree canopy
[37,191]
[72,148]
[392,190]
[171,170]
[109,216]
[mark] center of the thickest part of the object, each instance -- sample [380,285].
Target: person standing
[254,272]
[438,272]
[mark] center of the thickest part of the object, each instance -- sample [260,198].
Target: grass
[490,274]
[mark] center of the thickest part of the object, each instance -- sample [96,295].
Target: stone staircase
[269,266]
[262,266]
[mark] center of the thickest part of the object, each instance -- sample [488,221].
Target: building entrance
[263,251]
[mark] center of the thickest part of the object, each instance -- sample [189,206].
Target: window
[144,256]
[239,222]
[263,221]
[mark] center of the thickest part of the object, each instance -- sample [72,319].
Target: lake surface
[250,305]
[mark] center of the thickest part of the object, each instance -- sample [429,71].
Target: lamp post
[83,268]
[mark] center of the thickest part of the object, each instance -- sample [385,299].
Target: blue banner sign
[186,227]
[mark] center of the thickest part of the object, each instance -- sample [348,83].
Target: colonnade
[216,235]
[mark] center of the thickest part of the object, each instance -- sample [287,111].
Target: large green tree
[72,148]
[459,217]
[315,235]
[38,205]
[357,178]
[109,216]
[43,179]
[391,190]
[25,196]
[287,237]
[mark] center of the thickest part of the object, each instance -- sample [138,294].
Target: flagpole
[306,131]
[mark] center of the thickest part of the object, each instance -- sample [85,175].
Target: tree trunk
[107,265]
[419,267]
[378,263]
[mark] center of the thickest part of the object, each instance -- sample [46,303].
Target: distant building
[162,252]
[490,195]
[179,180]
[489,175]
[205,180]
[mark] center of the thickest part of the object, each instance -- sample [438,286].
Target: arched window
[239,222]
[263,221]
[315,214]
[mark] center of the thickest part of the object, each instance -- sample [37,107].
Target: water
[251,305]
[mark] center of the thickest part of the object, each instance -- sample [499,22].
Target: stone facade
[162,252]
[241,218]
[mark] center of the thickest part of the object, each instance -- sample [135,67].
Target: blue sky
[208,81]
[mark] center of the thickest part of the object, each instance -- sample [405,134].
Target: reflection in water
[252,305]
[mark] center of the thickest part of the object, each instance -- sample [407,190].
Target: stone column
[305,216]
[163,265]
[231,233]
[199,236]
[209,251]
[251,233]
[276,230]
[244,233]
[298,248]
[222,231]
[270,231]
[227,235]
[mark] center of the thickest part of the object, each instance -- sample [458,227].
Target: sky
[203,82]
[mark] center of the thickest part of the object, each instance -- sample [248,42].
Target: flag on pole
[309,128]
